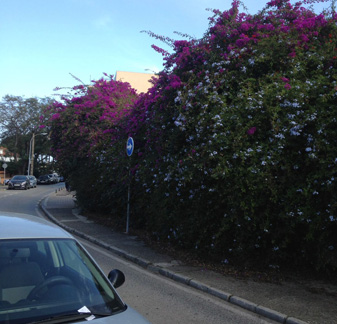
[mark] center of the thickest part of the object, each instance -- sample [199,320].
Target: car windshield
[51,279]
[19,178]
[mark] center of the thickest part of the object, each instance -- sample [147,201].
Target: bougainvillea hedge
[235,144]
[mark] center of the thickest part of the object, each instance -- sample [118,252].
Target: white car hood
[129,316]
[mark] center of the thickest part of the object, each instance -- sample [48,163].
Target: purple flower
[55,116]
[251,131]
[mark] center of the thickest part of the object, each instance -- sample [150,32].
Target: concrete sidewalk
[288,302]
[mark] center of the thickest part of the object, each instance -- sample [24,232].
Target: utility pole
[31,171]
[31,153]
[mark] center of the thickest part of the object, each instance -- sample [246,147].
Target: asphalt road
[25,201]
[163,301]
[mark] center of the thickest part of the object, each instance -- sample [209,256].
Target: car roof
[24,226]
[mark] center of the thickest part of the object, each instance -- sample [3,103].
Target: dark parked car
[33,181]
[46,276]
[19,182]
[44,179]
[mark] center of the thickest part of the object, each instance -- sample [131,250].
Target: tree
[20,119]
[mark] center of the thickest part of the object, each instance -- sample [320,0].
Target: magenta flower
[251,131]
[55,116]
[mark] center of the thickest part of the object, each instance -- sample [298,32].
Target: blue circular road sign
[129,146]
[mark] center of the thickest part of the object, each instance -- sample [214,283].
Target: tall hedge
[85,127]
[235,143]
[238,148]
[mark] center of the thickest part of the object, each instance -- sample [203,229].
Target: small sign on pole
[130,146]
[129,150]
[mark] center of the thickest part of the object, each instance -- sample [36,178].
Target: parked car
[46,276]
[19,182]
[54,177]
[51,178]
[44,179]
[33,181]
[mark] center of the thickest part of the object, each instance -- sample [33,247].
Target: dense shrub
[235,143]
[85,127]
[239,153]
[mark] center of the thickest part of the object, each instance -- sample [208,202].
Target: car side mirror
[116,277]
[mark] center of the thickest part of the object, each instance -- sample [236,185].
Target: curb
[238,301]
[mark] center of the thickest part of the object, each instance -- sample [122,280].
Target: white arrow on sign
[129,146]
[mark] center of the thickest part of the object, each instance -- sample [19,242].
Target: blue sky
[43,41]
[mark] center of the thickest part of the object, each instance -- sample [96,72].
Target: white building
[5,155]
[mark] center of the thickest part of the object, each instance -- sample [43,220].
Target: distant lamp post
[31,153]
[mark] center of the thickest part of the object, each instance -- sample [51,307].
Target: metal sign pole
[128,206]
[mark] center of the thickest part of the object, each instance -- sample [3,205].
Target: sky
[44,44]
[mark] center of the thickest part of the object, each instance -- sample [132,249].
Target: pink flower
[251,131]
[55,116]
[287,86]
